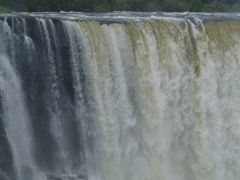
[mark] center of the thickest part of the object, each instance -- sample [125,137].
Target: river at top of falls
[119,96]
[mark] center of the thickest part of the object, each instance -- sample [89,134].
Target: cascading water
[119,96]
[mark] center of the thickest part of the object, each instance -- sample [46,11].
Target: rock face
[122,96]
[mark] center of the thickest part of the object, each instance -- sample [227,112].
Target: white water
[16,122]
[154,99]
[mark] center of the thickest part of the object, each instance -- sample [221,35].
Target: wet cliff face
[119,97]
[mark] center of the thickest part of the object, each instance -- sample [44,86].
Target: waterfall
[119,96]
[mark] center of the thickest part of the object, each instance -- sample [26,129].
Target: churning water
[119,96]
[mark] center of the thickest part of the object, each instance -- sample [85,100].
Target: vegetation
[4,9]
[120,5]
